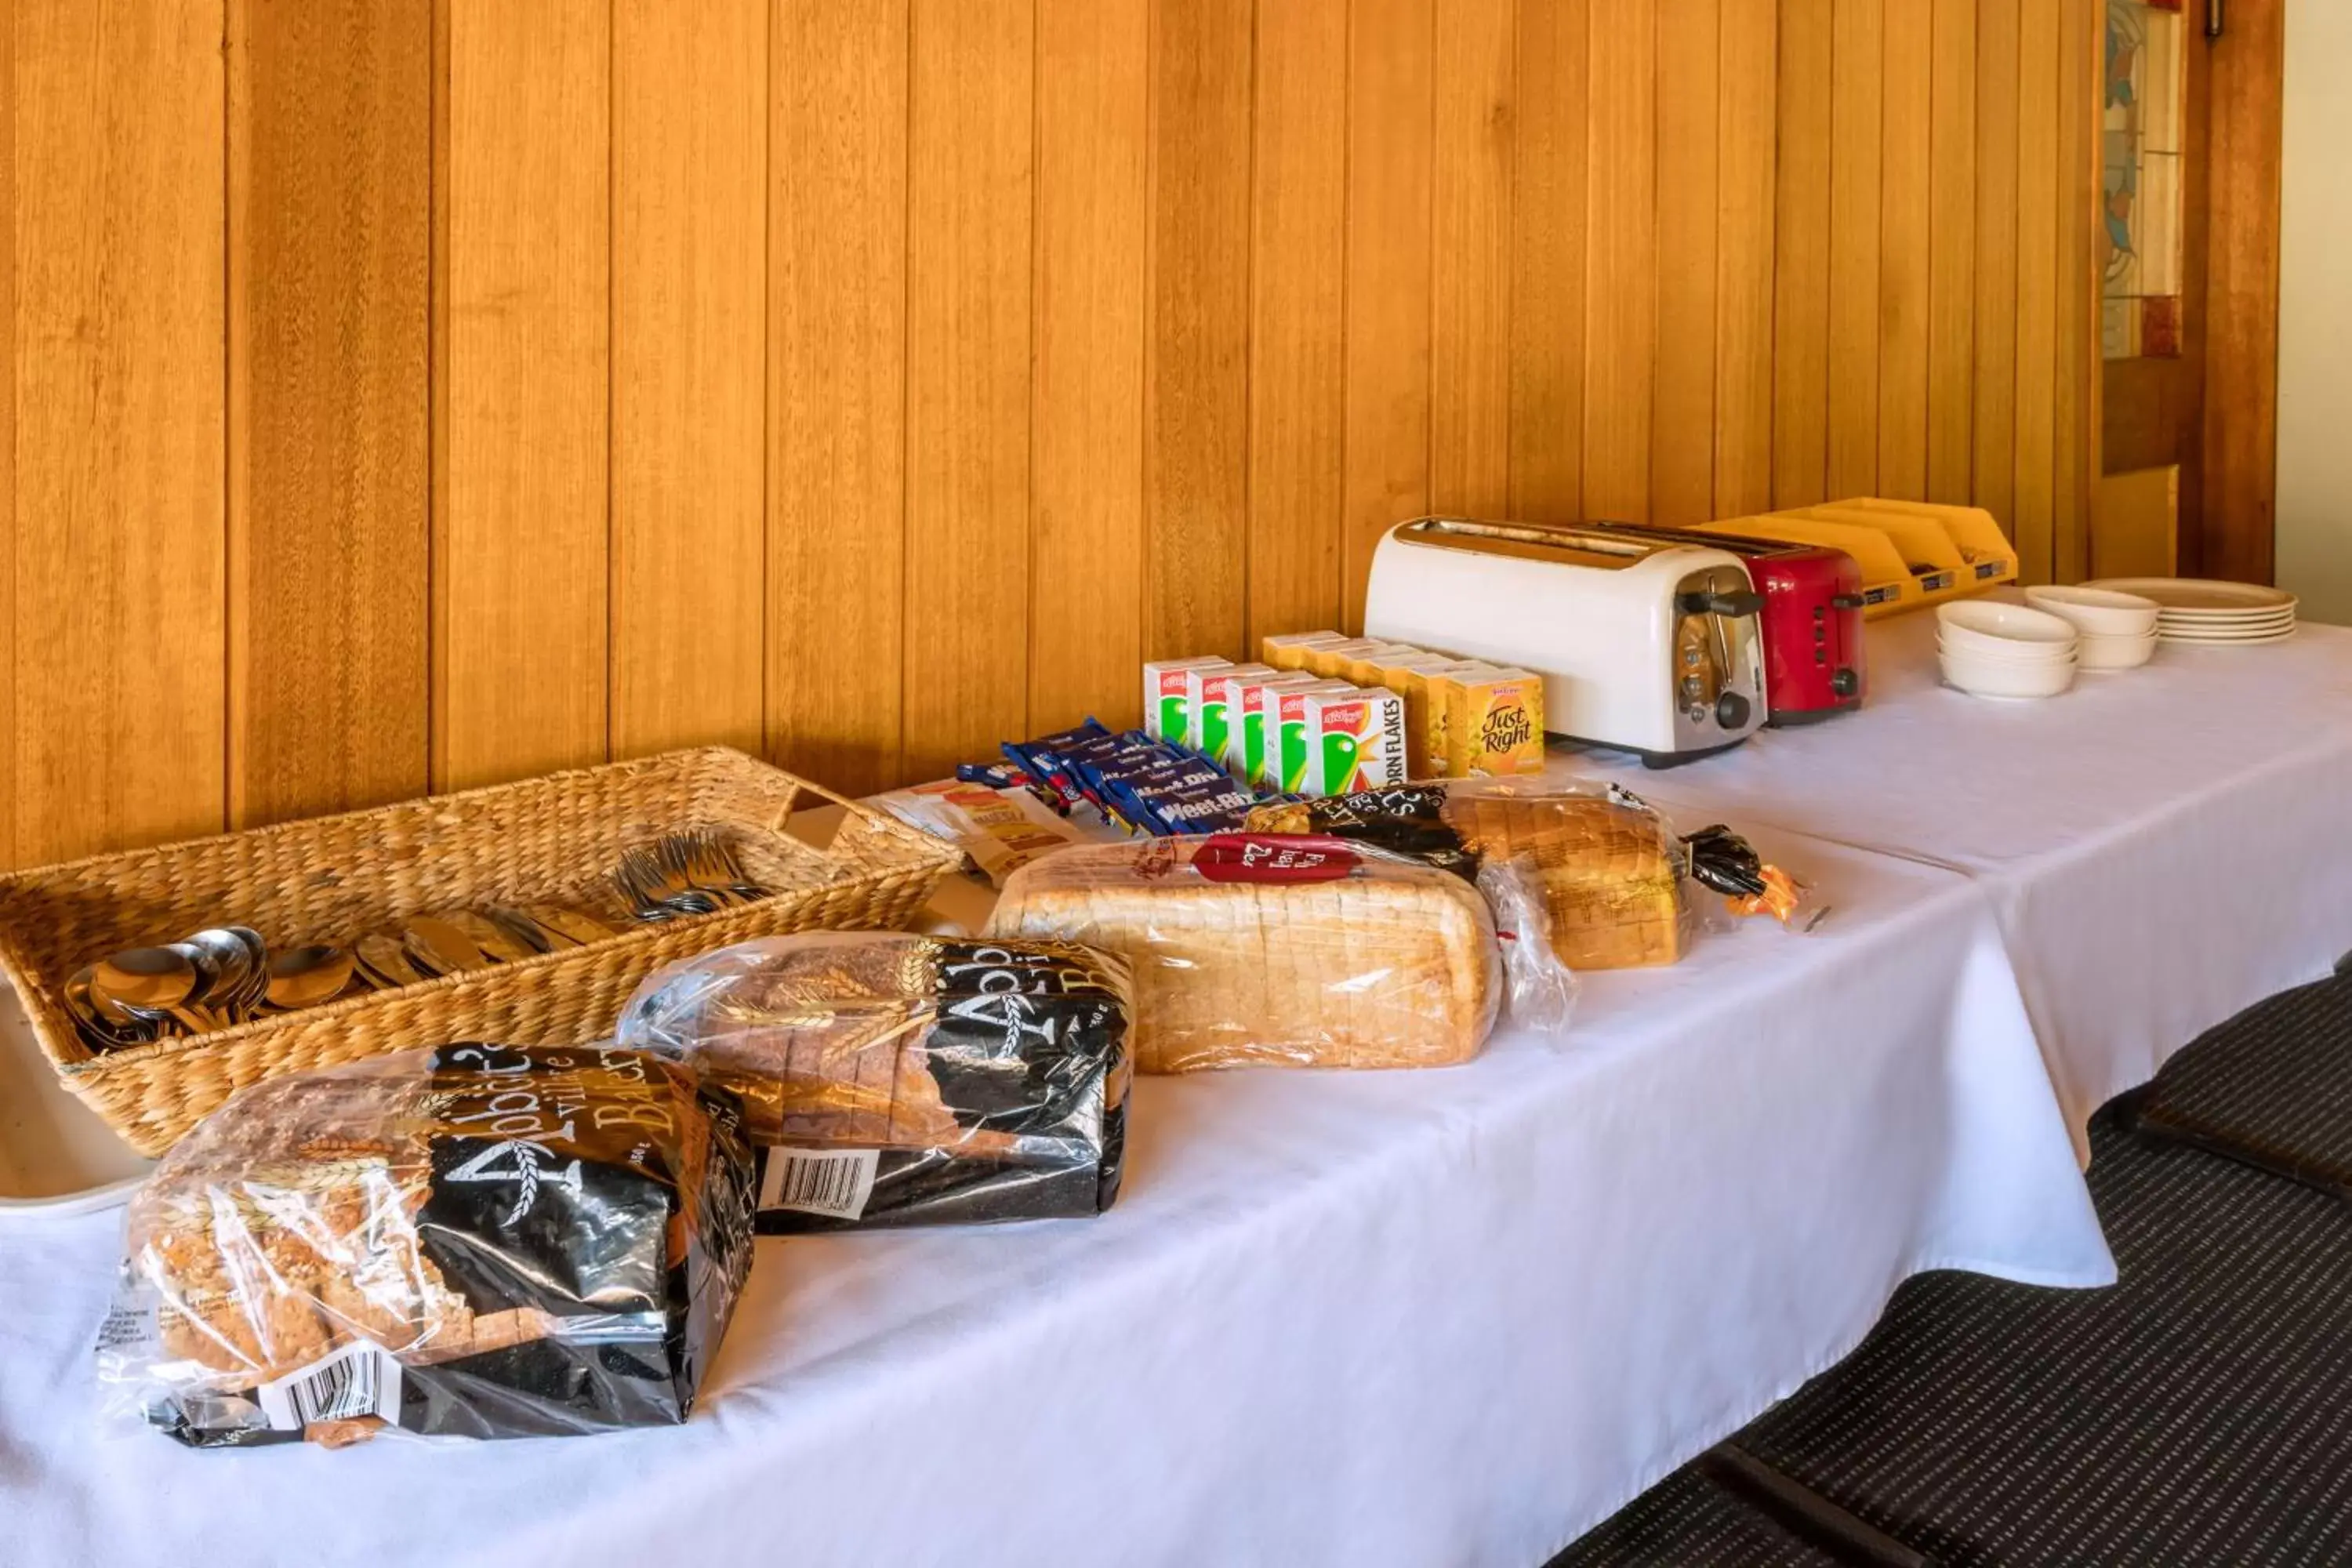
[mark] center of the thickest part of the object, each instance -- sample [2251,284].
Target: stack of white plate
[2005,650]
[2117,631]
[2194,610]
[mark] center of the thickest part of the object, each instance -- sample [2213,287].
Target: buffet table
[1401,1317]
[1453,1316]
[2164,846]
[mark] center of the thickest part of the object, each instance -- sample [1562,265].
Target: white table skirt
[1455,1316]
[2164,845]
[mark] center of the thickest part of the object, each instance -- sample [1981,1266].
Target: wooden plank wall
[412,393]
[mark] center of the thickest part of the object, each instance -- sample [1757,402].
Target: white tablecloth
[2164,845]
[1390,1318]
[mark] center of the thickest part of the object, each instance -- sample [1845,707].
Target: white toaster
[1644,644]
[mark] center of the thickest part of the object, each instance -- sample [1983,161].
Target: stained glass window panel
[2140,233]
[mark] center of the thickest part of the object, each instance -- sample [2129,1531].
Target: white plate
[2228,640]
[2188,623]
[2198,593]
[2261,613]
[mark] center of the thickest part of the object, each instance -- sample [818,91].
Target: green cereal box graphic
[1294,746]
[1216,700]
[1168,686]
[1255,699]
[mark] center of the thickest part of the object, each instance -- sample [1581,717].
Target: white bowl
[1990,678]
[1993,627]
[2027,652]
[2116,653]
[2099,611]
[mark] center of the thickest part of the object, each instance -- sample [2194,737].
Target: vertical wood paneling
[118,574]
[1801,250]
[330,198]
[2032,509]
[1682,432]
[1470,258]
[2238,533]
[2076,369]
[1621,333]
[1856,200]
[836,387]
[1386,374]
[444,390]
[521,567]
[1994,426]
[1549,177]
[1299,221]
[968,341]
[1951,252]
[9,474]
[1086,517]
[690,372]
[1745,137]
[1196,389]
[1904,249]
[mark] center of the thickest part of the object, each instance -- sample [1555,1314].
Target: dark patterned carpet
[2197,1413]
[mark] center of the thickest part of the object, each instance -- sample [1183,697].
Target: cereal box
[1331,661]
[1494,722]
[1292,748]
[1168,696]
[1431,687]
[1215,707]
[1253,737]
[1288,650]
[1356,741]
[1407,677]
[1364,669]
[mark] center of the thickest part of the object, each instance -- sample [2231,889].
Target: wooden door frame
[2237,533]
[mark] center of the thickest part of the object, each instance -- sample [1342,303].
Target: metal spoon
[306,976]
[240,960]
[385,962]
[575,927]
[493,941]
[103,1026]
[439,947]
[147,978]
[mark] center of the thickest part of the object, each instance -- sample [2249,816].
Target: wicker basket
[334,878]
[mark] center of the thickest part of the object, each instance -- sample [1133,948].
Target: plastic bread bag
[1606,866]
[473,1241]
[1252,949]
[892,1080]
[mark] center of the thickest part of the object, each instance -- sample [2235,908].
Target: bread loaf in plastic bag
[472,1241]
[1250,949]
[891,1078]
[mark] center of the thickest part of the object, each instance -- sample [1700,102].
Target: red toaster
[1811,624]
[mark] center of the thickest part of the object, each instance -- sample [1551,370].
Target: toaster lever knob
[1731,711]
[1844,682]
[1735,604]
[1846,602]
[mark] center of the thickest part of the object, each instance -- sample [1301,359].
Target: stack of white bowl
[2117,630]
[2005,650]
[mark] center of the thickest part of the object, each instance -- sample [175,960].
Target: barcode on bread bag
[360,1378]
[831,1181]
